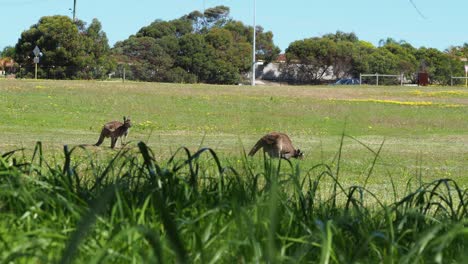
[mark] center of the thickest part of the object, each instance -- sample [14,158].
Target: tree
[193,55]
[340,36]
[216,16]
[265,49]
[406,62]
[209,47]
[459,52]
[96,60]
[221,39]
[58,40]
[383,61]
[227,58]
[361,56]
[343,60]
[70,50]
[440,66]
[239,31]
[98,43]
[204,47]
[8,52]
[159,28]
[336,55]
[309,60]
[388,41]
[212,57]
[197,19]
[148,61]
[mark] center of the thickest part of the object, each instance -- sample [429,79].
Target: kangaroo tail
[255,148]
[100,140]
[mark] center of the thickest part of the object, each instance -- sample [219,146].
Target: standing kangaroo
[277,145]
[114,130]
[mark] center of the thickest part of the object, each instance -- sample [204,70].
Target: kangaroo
[114,130]
[277,145]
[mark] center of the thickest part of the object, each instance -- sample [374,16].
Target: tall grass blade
[160,203]
[326,245]
[97,207]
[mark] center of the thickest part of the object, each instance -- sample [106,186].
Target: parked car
[347,82]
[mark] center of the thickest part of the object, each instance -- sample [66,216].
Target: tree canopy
[211,47]
[69,49]
[344,55]
[205,47]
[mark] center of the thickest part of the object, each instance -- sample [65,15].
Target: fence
[454,77]
[377,75]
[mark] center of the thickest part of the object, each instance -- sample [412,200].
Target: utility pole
[204,17]
[253,45]
[74,10]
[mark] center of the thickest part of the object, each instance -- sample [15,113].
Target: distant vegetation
[211,47]
[70,50]
[343,54]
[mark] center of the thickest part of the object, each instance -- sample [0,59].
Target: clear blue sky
[443,22]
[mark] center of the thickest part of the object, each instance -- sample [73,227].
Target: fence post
[377,78]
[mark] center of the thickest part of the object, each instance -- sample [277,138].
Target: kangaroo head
[299,154]
[127,121]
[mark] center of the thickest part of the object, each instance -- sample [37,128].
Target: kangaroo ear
[124,118]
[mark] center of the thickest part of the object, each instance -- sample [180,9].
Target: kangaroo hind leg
[113,141]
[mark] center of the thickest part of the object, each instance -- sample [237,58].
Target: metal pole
[377,78]
[74,9]
[253,45]
[35,71]
[123,80]
[360,79]
[451,80]
[401,79]
[204,17]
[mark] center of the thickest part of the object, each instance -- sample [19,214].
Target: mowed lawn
[424,130]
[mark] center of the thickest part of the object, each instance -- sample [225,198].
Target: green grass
[383,180]
[131,209]
[428,139]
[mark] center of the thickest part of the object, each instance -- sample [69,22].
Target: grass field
[393,142]
[424,130]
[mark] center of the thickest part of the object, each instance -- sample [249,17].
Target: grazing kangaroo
[114,130]
[277,145]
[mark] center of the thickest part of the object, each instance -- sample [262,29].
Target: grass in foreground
[133,208]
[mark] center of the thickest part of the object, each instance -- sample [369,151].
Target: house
[277,71]
[7,66]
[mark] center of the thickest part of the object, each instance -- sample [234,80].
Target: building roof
[281,58]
